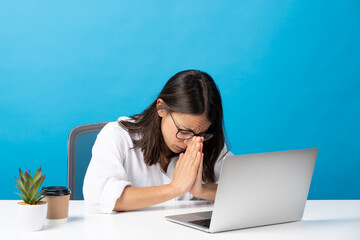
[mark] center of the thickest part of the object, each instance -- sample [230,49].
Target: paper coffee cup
[57,198]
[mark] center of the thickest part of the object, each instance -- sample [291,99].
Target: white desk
[338,220]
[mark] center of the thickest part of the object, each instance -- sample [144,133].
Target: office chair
[80,143]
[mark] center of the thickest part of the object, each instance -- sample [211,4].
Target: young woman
[174,149]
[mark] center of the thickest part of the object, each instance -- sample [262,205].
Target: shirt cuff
[112,191]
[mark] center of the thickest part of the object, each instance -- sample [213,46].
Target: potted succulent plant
[31,211]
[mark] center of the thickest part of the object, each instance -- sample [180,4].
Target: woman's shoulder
[115,129]
[115,124]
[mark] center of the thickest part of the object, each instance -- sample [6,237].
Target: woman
[174,149]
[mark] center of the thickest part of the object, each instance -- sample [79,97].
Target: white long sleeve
[115,165]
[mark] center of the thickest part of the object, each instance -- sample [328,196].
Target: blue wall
[288,72]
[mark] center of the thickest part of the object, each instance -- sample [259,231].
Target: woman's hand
[197,188]
[187,167]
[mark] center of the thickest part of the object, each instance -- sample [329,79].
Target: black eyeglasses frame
[205,135]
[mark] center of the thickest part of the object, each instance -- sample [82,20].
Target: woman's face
[196,123]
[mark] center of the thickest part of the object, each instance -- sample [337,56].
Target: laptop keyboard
[203,222]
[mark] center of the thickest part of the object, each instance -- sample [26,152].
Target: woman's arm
[141,197]
[135,198]
[207,192]
[184,175]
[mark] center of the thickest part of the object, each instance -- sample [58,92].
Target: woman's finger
[200,166]
[195,163]
[181,156]
[189,153]
[180,160]
[195,151]
[189,147]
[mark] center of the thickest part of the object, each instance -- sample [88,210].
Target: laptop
[257,190]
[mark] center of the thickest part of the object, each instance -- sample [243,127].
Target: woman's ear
[161,113]
[159,106]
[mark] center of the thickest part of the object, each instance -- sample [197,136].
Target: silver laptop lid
[261,189]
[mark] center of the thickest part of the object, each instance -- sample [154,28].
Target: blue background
[288,72]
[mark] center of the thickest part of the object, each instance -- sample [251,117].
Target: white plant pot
[32,217]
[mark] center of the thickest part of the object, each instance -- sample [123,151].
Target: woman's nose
[187,141]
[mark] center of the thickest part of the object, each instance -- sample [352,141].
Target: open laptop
[257,190]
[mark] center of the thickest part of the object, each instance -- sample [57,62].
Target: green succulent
[29,186]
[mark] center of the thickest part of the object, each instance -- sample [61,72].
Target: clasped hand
[187,175]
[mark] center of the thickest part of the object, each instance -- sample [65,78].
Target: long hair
[189,92]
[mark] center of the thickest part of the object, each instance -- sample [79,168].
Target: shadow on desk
[75,219]
[174,205]
[328,223]
[70,220]
[297,229]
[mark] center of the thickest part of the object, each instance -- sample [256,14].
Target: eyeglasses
[183,134]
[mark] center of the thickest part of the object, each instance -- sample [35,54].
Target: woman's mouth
[179,148]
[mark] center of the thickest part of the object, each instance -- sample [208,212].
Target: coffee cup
[58,199]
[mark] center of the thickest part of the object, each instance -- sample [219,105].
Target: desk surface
[322,220]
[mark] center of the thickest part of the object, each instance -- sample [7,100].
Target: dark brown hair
[189,92]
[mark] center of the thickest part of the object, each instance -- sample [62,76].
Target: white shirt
[115,165]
